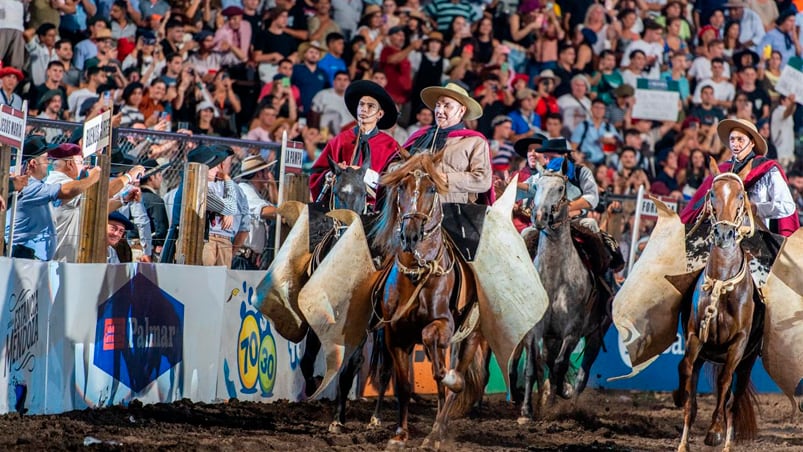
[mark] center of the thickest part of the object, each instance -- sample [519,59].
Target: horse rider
[582,192]
[466,162]
[527,148]
[766,184]
[374,109]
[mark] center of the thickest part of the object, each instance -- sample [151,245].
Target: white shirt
[67,218]
[723,91]
[701,69]
[333,110]
[752,29]
[771,196]
[258,234]
[12,15]
[650,49]
[783,133]
[574,110]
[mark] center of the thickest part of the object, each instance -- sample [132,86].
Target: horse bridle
[742,230]
[425,217]
[556,208]
[328,187]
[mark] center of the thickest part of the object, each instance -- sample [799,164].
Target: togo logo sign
[256,349]
[139,334]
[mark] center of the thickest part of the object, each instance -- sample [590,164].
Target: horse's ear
[713,167]
[333,165]
[564,166]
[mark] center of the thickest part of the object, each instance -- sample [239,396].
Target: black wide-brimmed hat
[34,146]
[209,155]
[119,161]
[357,89]
[555,146]
[523,145]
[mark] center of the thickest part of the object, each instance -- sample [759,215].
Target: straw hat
[431,94]
[304,46]
[727,125]
[370,10]
[253,164]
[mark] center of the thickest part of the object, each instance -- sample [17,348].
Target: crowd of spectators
[257,68]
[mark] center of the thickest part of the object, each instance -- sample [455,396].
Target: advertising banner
[143,331]
[24,312]
[256,362]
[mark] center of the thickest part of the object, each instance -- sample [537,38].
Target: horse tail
[379,359]
[475,377]
[744,414]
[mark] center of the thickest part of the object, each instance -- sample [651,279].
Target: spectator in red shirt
[545,85]
[395,63]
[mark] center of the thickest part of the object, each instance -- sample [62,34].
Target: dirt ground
[602,421]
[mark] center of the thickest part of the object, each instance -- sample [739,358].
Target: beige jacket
[467,166]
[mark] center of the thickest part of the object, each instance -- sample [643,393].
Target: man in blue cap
[115,232]
[226,205]
[34,229]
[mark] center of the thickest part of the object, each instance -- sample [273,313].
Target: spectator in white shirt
[782,129]
[752,29]
[330,105]
[652,45]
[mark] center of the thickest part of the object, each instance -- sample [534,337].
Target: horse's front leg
[344,383]
[691,368]
[735,352]
[403,388]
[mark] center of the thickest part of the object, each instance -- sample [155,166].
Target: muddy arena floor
[601,421]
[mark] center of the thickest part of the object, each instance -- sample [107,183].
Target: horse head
[348,188]
[729,208]
[550,205]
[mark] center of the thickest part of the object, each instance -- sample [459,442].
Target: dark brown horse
[420,300]
[726,327]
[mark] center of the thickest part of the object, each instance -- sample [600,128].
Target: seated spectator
[575,106]
[95,78]
[590,136]
[64,53]
[526,122]
[153,104]
[132,98]
[321,25]
[706,112]
[121,24]
[53,81]
[307,75]
[333,62]
[265,119]
[227,103]
[607,78]
[98,30]
[233,39]
[329,106]
[147,58]
[274,45]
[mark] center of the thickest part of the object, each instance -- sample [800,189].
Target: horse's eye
[431,189]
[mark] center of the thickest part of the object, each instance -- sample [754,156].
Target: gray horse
[575,308]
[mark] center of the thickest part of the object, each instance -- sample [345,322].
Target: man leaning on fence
[34,229]
[256,181]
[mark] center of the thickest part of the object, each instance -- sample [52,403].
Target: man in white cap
[466,162]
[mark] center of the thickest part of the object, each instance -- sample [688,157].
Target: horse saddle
[463,225]
[594,251]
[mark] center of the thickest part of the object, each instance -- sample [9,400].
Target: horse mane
[383,231]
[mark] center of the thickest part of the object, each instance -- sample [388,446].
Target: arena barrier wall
[81,336]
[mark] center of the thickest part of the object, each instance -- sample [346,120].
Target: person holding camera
[146,58]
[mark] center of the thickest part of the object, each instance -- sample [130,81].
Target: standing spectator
[333,62]
[606,78]
[757,95]
[565,70]
[121,25]
[256,180]
[235,36]
[74,17]
[150,183]
[10,77]
[575,106]
[12,41]
[307,75]
[783,38]
[347,14]
[395,63]
[620,111]
[274,44]
[147,58]
[372,30]
[132,98]
[149,8]
[153,103]
[41,51]
[297,19]
[321,24]
[634,70]
[701,67]
[724,91]
[329,105]
[173,42]
[444,12]
[64,53]
[227,103]
[652,46]
[88,48]
[502,151]
[545,84]
[53,81]
[525,121]
[266,119]
[783,130]
[767,10]
[590,136]
[750,24]
[206,61]
[706,111]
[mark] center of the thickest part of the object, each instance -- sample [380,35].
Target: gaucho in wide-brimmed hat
[748,159]
[373,109]
[466,161]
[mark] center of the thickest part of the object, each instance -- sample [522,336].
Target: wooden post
[190,245]
[5,170]
[95,217]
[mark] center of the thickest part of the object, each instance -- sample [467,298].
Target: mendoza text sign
[656,100]
[96,133]
[791,81]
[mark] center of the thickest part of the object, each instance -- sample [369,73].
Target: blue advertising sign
[139,333]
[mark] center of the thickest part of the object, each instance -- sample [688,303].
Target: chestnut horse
[419,300]
[726,328]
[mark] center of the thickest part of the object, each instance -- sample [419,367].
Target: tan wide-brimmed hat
[431,94]
[370,10]
[725,127]
[304,46]
[253,164]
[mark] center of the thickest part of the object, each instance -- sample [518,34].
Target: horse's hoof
[524,420]
[713,438]
[567,392]
[453,381]
[374,423]
[678,397]
[336,427]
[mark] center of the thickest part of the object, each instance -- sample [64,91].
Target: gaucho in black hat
[373,109]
